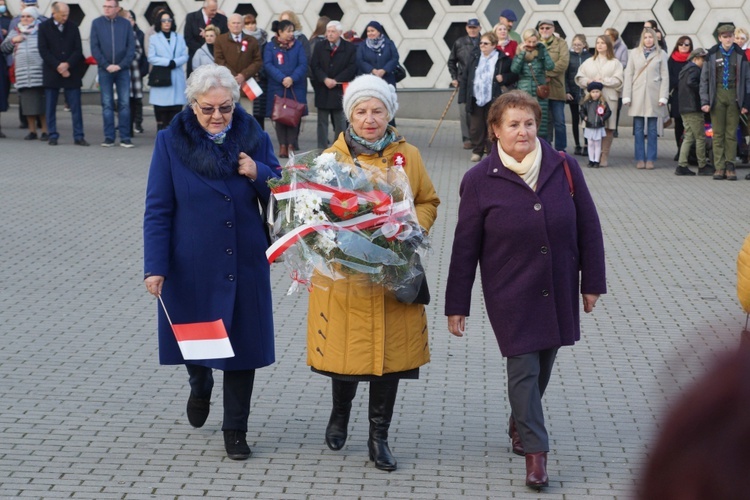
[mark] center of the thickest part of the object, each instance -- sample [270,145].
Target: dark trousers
[164,115]
[575,119]
[619,107]
[478,128]
[238,390]
[287,135]
[326,117]
[136,114]
[73,98]
[528,376]
[679,131]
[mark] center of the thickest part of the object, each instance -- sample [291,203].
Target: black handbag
[161,76]
[399,73]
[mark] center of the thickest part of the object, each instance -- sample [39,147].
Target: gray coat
[202,56]
[28,61]
[708,77]
[645,88]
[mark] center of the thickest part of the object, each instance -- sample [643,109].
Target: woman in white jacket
[606,69]
[646,91]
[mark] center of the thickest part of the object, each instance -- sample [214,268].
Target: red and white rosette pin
[244,45]
[600,110]
[399,160]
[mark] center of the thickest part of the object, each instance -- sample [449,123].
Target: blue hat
[473,22]
[376,25]
[594,86]
[509,15]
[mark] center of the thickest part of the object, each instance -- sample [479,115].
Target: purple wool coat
[533,250]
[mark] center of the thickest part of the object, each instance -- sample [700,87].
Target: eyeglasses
[167,20]
[209,110]
[544,28]
[686,44]
[485,43]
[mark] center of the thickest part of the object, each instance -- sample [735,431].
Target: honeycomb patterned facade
[424,30]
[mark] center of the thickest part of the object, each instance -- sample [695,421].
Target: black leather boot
[343,394]
[382,399]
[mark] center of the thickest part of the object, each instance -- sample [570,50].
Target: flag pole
[165,309]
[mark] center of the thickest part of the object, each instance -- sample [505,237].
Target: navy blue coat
[533,249]
[386,58]
[280,63]
[203,231]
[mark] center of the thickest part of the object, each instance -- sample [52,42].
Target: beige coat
[610,73]
[560,54]
[743,275]
[645,88]
[355,327]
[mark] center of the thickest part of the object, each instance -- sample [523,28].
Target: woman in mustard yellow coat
[356,330]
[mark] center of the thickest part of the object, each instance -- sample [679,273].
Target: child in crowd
[688,90]
[594,113]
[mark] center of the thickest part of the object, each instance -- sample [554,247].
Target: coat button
[545,293]
[544,250]
[494,170]
[229,251]
[227,198]
[537,206]
[230,277]
[229,223]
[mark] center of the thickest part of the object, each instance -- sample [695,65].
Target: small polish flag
[207,340]
[344,86]
[251,89]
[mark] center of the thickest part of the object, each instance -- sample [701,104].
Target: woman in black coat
[678,59]
[481,83]
[579,52]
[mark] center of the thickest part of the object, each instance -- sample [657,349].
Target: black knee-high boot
[382,399]
[343,394]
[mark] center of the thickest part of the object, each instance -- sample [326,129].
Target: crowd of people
[656,88]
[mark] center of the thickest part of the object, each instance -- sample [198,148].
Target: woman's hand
[287,81]
[568,97]
[247,167]
[499,78]
[380,73]
[154,284]
[457,325]
[589,301]
[18,39]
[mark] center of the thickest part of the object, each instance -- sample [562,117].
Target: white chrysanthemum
[326,240]
[307,206]
[325,161]
[324,175]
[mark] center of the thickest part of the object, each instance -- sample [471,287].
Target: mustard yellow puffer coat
[353,326]
[743,275]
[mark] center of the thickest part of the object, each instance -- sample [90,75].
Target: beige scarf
[528,168]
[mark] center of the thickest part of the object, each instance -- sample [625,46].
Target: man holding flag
[240,53]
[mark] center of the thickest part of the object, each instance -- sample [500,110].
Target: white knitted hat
[366,87]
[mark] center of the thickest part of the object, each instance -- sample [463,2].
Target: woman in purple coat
[205,242]
[526,216]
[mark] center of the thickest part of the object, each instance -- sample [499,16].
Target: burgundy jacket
[534,249]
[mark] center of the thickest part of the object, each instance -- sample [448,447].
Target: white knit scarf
[528,168]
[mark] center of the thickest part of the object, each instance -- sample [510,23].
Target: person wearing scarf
[23,42]
[678,59]
[205,55]
[357,331]
[205,241]
[725,93]
[531,63]
[542,255]
[645,91]
[378,55]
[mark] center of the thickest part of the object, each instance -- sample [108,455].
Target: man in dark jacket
[333,63]
[725,85]
[689,103]
[461,56]
[60,48]
[113,47]
[195,24]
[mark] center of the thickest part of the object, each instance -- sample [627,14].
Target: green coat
[539,66]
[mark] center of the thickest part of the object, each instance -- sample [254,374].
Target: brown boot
[283,153]
[606,146]
[515,438]
[536,470]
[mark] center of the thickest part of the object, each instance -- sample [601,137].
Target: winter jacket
[644,90]
[621,52]
[112,42]
[534,264]
[462,54]
[386,58]
[26,56]
[205,234]
[590,114]
[609,72]
[229,53]
[743,275]
[674,67]
[689,83]
[355,327]
[160,53]
[708,77]
[502,67]
[576,60]
[202,56]
[340,65]
[58,47]
[532,73]
[280,63]
[559,52]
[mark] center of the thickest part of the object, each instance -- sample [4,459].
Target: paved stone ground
[87,412]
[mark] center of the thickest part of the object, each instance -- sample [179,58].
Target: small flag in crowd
[207,340]
[251,89]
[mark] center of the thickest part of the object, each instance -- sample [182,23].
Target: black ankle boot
[336,432]
[382,399]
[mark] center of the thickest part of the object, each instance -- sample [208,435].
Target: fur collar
[202,156]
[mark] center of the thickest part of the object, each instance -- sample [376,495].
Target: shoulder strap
[568,174]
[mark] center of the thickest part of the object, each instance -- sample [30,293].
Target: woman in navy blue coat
[205,242]
[536,245]
[378,54]
[285,62]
